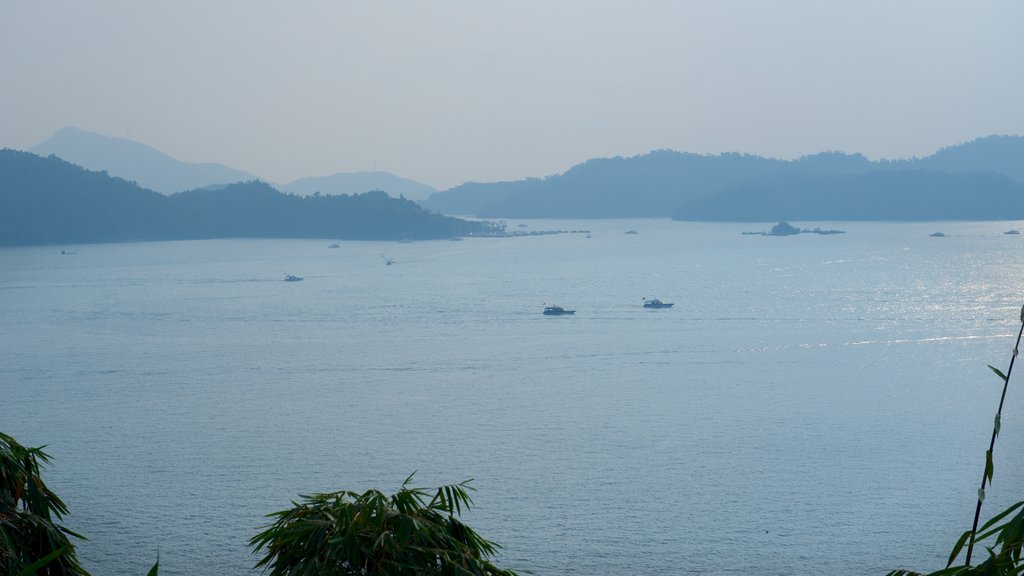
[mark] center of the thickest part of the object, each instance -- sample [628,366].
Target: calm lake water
[812,404]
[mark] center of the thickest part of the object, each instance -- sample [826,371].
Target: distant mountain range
[738,186]
[46,200]
[357,182]
[157,171]
[136,162]
[659,184]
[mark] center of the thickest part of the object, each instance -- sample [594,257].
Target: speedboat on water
[655,303]
[292,278]
[557,311]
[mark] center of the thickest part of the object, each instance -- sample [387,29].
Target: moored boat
[656,303]
[557,311]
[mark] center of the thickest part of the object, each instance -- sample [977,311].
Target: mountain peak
[135,161]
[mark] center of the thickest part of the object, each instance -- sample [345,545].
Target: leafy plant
[409,533]
[1004,556]
[31,539]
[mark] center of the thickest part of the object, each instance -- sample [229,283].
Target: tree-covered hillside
[649,185]
[659,183]
[892,195]
[49,201]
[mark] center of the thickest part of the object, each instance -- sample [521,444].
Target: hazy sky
[445,92]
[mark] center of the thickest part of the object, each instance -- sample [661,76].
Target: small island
[787,229]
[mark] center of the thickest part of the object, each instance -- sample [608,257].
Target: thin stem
[992,443]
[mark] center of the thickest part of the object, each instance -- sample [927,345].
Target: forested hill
[648,185]
[905,195]
[50,201]
[658,183]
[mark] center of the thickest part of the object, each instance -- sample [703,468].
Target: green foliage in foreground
[31,539]
[1004,555]
[409,533]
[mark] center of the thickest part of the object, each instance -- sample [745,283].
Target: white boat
[656,303]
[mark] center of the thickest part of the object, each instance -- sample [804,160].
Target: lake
[811,404]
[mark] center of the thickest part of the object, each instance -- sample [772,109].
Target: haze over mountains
[46,200]
[136,162]
[981,179]
[357,182]
[701,187]
[157,171]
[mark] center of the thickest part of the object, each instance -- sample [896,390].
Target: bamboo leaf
[1000,516]
[958,547]
[989,468]
[156,567]
[34,567]
[404,533]
[998,372]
